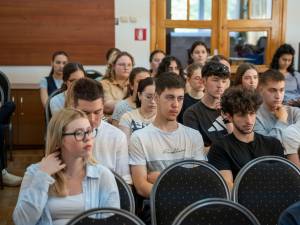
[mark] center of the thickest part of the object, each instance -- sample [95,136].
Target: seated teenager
[155,59]
[111,146]
[115,81]
[275,119]
[165,141]
[170,64]
[194,86]
[230,153]
[146,109]
[205,116]
[71,72]
[54,80]
[247,76]
[68,180]
[128,104]
[283,61]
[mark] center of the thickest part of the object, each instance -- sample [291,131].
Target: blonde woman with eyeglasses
[67,181]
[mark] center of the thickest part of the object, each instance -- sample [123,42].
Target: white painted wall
[292,27]
[124,38]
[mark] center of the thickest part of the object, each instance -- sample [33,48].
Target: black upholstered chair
[93,74]
[215,211]
[47,106]
[182,184]
[267,186]
[106,216]
[126,196]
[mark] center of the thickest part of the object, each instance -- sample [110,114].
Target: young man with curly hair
[233,151]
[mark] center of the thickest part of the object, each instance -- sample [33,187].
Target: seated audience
[290,216]
[71,72]
[155,59]
[205,116]
[164,141]
[274,118]
[283,60]
[170,64]
[146,109]
[115,83]
[110,57]
[54,80]
[6,111]
[198,53]
[67,181]
[110,147]
[222,59]
[128,104]
[230,153]
[195,90]
[247,76]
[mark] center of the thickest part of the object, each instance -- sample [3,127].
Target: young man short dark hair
[110,145]
[233,151]
[275,119]
[205,116]
[165,141]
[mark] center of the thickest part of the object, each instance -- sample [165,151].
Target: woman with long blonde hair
[68,180]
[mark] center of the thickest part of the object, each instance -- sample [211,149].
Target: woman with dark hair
[283,60]
[129,103]
[155,59]
[71,72]
[247,76]
[54,80]
[170,64]
[146,109]
[198,53]
[115,82]
[222,59]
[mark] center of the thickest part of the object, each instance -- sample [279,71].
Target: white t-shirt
[111,150]
[158,149]
[57,102]
[134,120]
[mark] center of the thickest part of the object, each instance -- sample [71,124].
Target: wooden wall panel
[31,30]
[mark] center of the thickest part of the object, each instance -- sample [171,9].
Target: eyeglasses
[124,65]
[80,135]
[148,97]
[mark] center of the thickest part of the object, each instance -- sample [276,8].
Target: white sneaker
[10,179]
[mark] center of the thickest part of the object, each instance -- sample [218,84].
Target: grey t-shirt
[158,149]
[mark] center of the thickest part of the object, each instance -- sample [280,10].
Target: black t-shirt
[207,121]
[232,154]
[187,102]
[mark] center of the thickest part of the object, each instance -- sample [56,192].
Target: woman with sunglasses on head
[71,72]
[146,109]
[67,181]
[54,80]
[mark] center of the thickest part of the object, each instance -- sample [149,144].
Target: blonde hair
[56,128]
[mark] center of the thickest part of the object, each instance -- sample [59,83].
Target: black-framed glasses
[80,135]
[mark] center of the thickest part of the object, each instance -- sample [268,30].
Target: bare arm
[44,96]
[228,177]
[139,177]
[294,158]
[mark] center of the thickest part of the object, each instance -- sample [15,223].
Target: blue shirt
[99,190]
[292,86]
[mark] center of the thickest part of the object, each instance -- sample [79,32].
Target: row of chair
[266,186]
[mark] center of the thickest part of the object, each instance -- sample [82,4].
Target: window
[244,30]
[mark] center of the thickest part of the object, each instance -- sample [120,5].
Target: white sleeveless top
[63,209]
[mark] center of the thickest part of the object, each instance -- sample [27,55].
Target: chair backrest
[182,184]
[106,216]
[47,106]
[215,211]
[126,195]
[93,74]
[6,88]
[267,186]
